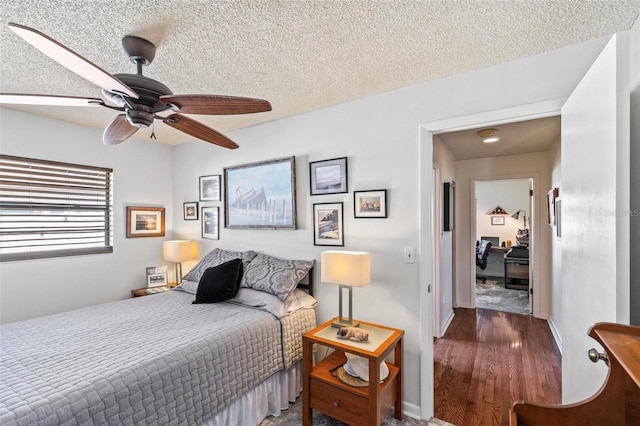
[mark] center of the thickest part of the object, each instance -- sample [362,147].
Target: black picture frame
[211,223]
[370,204]
[449,206]
[190,210]
[210,188]
[261,195]
[328,176]
[328,224]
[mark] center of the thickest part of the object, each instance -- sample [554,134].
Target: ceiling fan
[139,98]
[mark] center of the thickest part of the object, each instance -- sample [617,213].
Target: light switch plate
[409,255]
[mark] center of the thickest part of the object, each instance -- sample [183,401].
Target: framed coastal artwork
[328,176]
[261,195]
[328,224]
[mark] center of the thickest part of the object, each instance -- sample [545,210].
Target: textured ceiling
[299,55]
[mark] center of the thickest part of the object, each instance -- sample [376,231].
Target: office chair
[482,253]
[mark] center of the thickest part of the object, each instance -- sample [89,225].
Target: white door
[595,239]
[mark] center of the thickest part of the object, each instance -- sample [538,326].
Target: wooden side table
[352,405]
[146,291]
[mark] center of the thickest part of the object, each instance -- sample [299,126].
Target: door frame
[523,112]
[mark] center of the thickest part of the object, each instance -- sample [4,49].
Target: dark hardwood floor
[489,359]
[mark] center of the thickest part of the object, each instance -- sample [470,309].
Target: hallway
[487,360]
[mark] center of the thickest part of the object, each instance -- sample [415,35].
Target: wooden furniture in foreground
[352,405]
[146,291]
[516,273]
[616,403]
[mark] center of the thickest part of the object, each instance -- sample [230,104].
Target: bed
[162,359]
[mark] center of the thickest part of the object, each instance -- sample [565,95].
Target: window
[50,209]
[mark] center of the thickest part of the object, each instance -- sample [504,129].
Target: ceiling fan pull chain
[153,131]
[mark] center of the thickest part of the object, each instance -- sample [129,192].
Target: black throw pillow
[220,283]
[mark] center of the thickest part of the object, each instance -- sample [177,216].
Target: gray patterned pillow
[217,257]
[275,276]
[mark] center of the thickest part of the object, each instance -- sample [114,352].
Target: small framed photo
[558,217]
[156,276]
[190,210]
[371,204]
[211,223]
[497,220]
[328,176]
[145,222]
[210,188]
[328,224]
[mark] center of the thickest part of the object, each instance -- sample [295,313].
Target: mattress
[151,360]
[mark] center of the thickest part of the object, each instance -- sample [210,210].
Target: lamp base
[344,322]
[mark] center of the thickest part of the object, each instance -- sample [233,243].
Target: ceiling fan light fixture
[488,135]
[138,118]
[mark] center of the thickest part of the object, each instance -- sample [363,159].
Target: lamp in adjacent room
[348,269]
[178,251]
[516,216]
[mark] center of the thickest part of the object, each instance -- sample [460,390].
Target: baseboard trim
[555,333]
[411,410]
[447,323]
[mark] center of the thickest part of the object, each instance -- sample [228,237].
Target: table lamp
[178,251]
[516,215]
[348,269]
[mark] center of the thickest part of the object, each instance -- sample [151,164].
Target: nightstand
[146,291]
[352,405]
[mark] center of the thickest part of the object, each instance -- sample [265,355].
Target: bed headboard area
[307,282]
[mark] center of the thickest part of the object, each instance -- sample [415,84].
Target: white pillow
[298,299]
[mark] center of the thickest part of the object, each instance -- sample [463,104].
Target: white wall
[380,137]
[142,174]
[512,195]
[526,166]
[446,164]
[555,316]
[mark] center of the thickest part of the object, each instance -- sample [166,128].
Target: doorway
[507,115]
[502,213]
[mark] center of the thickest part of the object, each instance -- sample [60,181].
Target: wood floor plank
[489,359]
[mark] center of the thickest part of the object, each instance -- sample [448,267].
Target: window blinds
[52,209]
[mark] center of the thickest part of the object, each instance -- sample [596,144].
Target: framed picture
[190,210]
[145,222]
[448,206]
[210,188]
[370,203]
[497,220]
[328,176]
[211,223]
[327,224]
[551,205]
[261,195]
[156,276]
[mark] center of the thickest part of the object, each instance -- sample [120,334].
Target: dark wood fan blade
[215,105]
[199,130]
[24,99]
[118,131]
[71,60]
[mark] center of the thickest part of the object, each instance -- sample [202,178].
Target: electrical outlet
[409,255]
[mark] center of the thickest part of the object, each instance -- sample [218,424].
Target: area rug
[493,295]
[293,417]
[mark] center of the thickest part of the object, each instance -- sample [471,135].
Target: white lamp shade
[177,250]
[351,268]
